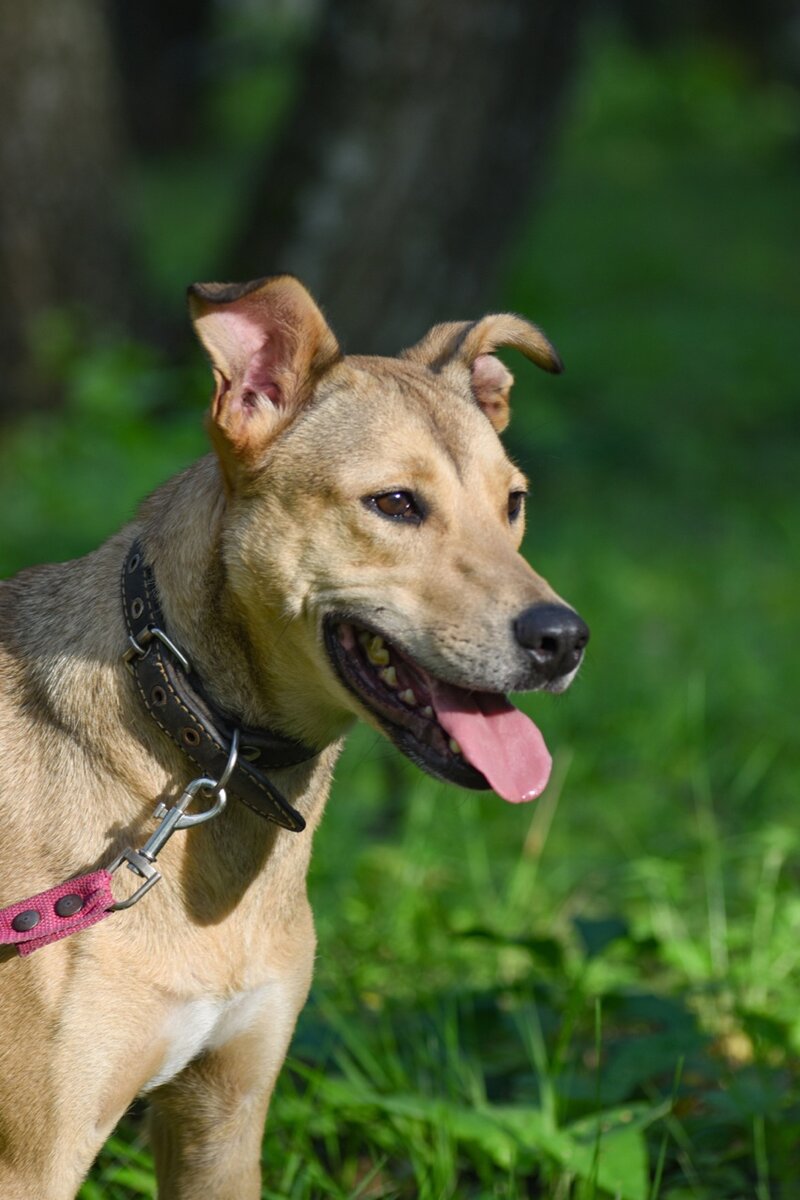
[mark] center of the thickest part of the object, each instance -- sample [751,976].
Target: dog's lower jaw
[460,733]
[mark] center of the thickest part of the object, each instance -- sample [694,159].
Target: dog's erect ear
[471,343]
[268,344]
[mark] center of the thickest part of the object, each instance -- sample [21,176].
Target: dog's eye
[399,506]
[515,502]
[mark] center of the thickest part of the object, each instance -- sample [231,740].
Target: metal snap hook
[212,788]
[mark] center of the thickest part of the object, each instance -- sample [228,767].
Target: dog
[350,549]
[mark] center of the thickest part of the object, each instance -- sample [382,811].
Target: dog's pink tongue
[497,739]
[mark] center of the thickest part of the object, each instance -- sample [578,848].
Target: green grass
[596,996]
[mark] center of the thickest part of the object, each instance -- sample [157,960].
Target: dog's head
[372,532]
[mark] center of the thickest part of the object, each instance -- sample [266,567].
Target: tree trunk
[160,51]
[418,135]
[60,240]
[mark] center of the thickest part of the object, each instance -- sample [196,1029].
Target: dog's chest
[207,1023]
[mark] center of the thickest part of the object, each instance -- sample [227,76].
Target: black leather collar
[175,698]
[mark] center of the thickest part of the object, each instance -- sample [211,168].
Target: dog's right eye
[398,506]
[515,503]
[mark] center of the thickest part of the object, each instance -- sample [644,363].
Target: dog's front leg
[207,1124]
[206,1129]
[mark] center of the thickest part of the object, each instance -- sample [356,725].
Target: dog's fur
[192,995]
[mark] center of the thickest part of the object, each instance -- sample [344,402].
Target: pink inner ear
[489,375]
[249,349]
[260,375]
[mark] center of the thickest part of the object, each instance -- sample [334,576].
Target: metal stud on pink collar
[48,916]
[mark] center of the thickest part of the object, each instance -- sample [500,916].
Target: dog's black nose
[555,637]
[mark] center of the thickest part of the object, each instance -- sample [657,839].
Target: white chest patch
[208,1023]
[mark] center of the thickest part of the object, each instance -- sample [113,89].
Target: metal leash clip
[143,862]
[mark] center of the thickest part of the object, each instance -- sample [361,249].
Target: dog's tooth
[377,653]
[454,746]
[408,697]
[427,711]
[389,677]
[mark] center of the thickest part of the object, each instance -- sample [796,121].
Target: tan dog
[350,551]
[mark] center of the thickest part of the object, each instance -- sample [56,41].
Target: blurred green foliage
[599,995]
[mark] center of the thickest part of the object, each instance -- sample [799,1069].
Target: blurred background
[597,996]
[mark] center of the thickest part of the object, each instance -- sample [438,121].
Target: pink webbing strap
[61,910]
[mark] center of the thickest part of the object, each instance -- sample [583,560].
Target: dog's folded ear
[469,344]
[268,343]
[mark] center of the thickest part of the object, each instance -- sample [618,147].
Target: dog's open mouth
[475,739]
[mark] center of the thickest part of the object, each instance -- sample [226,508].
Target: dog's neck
[182,530]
